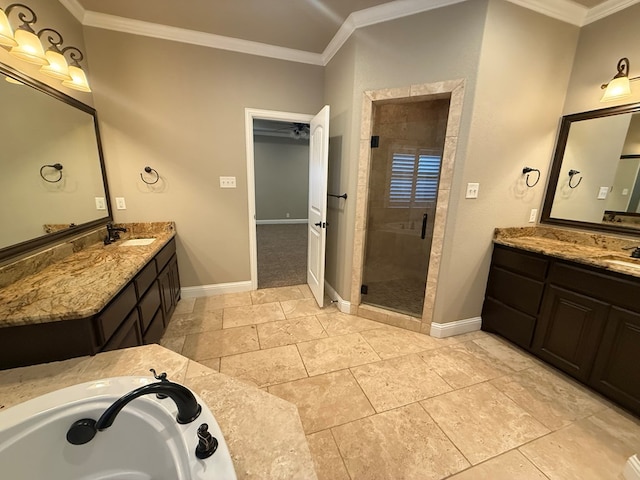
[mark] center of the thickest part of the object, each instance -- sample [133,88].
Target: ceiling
[309,31]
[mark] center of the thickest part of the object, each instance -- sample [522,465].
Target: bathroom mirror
[52,181]
[594,181]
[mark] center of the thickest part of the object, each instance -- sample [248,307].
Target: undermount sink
[136,242]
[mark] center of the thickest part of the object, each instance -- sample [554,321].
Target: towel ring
[572,173]
[56,166]
[150,170]
[527,170]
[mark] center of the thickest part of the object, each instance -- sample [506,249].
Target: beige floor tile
[399,444]
[194,323]
[325,400]
[552,400]
[195,369]
[218,343]
[585,450]
[621,425]
[464,364]
[483,422]
[216,302]
[508,466]
[251,315]
[305,307]
[463,337]
[391,342]
[173,343]
[507,354]
[326,458]
[278,294]
[339,323]
[265,367]
[287,332]
[336,353]
[398,381]
[306,291]
[212,363]
[185,305]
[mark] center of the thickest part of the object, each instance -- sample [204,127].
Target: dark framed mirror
[53,183]
[594,182]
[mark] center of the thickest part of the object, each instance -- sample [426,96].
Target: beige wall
[51,14]
[281,177]
[600,46]
[180,109]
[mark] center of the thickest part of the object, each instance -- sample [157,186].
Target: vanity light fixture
[619,86]
[25,44]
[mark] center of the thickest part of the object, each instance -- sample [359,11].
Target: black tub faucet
[84,430]
[113,233]
[635,251]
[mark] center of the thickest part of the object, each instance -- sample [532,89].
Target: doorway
[406,157]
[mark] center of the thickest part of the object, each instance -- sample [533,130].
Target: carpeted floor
[282,255]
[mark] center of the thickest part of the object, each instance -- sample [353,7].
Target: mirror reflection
[52,172]
[595,177]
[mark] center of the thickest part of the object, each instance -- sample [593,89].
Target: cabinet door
[166,294]
[569,330]
[616,371]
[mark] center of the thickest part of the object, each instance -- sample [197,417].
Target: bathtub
[144,443]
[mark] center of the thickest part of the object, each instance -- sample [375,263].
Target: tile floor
[378,402]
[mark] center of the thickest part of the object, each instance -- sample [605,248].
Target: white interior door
[318,168]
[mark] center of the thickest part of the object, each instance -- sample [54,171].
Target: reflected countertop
[81,284]
[593,249]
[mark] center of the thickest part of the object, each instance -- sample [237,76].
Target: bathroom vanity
[99,298]
[572,300]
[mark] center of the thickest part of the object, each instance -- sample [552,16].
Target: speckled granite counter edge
[587,248]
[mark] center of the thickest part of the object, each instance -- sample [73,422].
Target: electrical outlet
[602,193]
[533,215]
[287,215]
[625,191]
[120,203]
[472,190]
[100,203]
[227,182]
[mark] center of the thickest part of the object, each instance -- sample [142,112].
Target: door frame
[453,89]
[251,114]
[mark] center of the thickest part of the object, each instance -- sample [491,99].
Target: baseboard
[343,305]
[283,221]
[442,330]
[632,468]
[215,289]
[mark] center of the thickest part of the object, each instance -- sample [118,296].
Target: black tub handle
[424,226]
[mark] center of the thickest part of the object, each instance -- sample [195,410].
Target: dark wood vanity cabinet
[583,320]
[137,315]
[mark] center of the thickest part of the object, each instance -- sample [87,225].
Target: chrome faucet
[113,233]
[83,431]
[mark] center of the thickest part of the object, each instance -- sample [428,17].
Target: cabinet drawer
[527,264]
[145,278]
[605,286]
[515,290]
[128,335]
[149,305]
[111,317]
[508,322]
[165,254]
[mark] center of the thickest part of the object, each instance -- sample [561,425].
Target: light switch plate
[227,182]
[100,203]
[602,194]
[120,203]
[472,190]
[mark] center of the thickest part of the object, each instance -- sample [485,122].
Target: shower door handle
[424,226]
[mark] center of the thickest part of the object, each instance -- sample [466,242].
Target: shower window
[413,178]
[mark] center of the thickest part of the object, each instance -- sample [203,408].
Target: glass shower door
[403,189]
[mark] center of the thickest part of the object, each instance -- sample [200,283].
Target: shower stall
[406,156]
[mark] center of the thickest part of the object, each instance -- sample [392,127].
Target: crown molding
[607,8]
[165,32]
[564,10]
[74,8]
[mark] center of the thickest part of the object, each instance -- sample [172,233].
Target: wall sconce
[25,44]
[619,86]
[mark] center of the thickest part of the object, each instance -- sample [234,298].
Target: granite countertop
[264,433]
[82,283]
[587,248]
